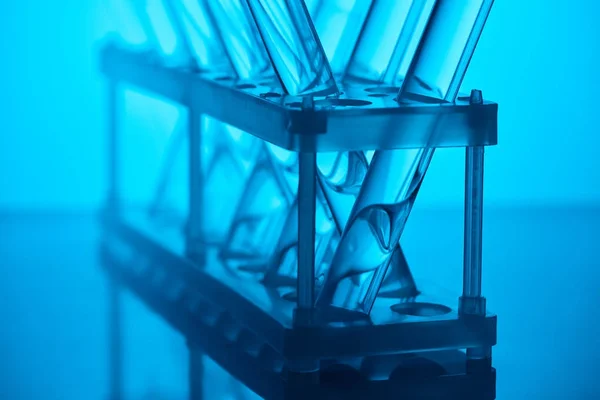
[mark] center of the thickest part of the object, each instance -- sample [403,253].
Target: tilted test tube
[388,41]
[205,42]
[237,155]
[294,47]
[338,24]
[164,31]
[394,177]
[341,174]
[227,152]
[269,190]
[381,56]
[241,38]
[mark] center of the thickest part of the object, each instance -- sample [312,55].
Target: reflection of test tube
[394,177]
[294,47]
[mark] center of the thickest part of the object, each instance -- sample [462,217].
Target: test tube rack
[276,347]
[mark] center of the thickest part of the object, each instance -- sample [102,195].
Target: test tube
[339,23]
[241,38]
[235,156]
[294,47]
[262,212]
[387,45]
[127,25]
[269,189]
[382,56]
[394,177]
[218,161]
[163,30]
[204,41]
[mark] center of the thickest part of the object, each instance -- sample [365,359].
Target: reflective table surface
[540,278]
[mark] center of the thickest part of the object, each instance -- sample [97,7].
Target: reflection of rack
[267,342]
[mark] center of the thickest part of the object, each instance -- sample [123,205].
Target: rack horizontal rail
[363,117]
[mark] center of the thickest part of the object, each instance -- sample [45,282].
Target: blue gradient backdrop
[538,58]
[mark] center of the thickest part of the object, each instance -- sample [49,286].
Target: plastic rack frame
[275,347]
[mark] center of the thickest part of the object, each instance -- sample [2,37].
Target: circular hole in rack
[335,103]
[269,95]
[383,89]
[245,86]
[420,309]
[379,95]
[223,78]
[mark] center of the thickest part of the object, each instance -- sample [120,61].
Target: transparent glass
[447,48]
[228,156]
[241,38]
[126,24]
[293,46]
[152,159]
[339,24]
[392,182]
[387,45]
[202,35]
[235,168]
[283,265]
[163,30]
[262,213]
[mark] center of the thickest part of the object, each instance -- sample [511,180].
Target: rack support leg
[472,303]
[306,370]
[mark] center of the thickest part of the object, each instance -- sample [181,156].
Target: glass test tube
[242,39]
[341,174]
[387,45]
[394,177]
[205,43]
[339,23]
[163,31]
[385,64]
[193,19]
[269,188]
[294,47]
[233,154]
[282,264]
[127,25]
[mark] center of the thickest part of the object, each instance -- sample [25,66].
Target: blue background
[538,59]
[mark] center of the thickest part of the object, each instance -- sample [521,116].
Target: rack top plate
[363,117]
